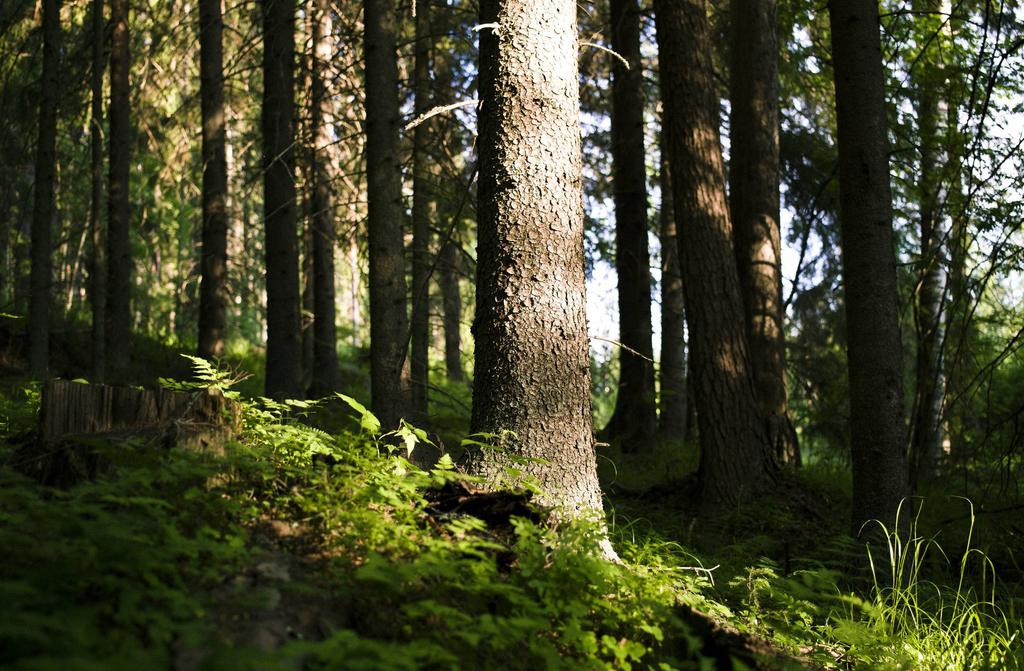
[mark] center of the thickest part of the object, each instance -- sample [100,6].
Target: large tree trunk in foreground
[420,338]
[869,265]
[532,350]
[672,406]
[284,345]
[736,459]
[754,207]
[42,210]
[98,264]
[325,336]
[389,323]
[119,257]
[214,265]
[634,420]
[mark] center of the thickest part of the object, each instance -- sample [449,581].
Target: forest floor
[306,544]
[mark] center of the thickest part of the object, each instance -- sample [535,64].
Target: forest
[511,334]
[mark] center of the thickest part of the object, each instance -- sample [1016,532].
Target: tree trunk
[214,266]
[389,323]
[42,210]
[869,265]
[532,350]
[284,346]
[421,261]
[736,458]
[754,207]
[929,316]
[672,420]
[634,420]
[98,265]
[119,257]
[307,316]
[448,279]
[6,225]
[325,337]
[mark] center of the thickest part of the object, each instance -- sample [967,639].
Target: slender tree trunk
[214,266]
[43,207]
[926,441]
[421,261]
[754,207]
[119,258]
[389,322]
[532,350]
[308,316]
[672,420]
[448,279]
[98,263]
[957,344]
[929,315]
[736,458]
[284,346]
[869,265]
[6,225]
[325,337]
[634,420]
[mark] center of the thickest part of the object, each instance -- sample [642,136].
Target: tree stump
[74,418]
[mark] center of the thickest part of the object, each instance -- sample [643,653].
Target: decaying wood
[74,418]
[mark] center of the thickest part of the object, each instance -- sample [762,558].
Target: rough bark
[325,337]
[754,207]
[929,316]
[98,264]
[532,350]
[421,261]
[634,420]
[42,207]
[214,262]
[389,323]
[869,265]
[672,418]
[284,346]
[119,257]
[736,458]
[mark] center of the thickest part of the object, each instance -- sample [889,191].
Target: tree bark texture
[41,280]
[672,418]
[421,262]
[869,265]
[736,459]
[754,207]
[389,322]
[214,261]
[119,257]
[325,336]
[284,346]
[634,420]
[98,263]
[532,350]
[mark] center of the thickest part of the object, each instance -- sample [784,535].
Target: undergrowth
[299,547]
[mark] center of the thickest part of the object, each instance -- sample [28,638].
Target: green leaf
[367,420]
